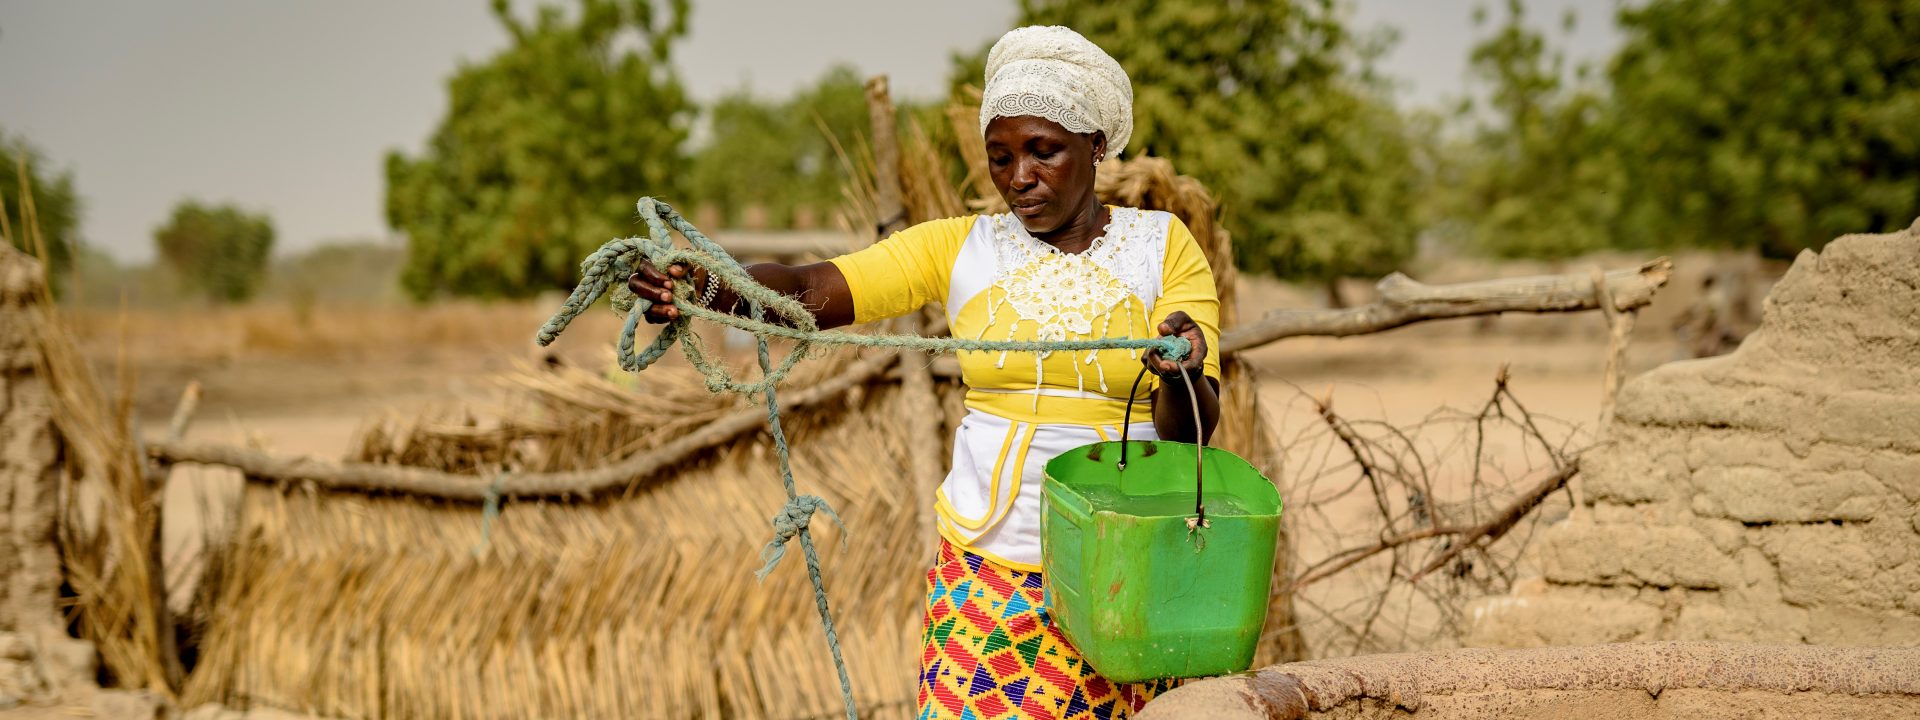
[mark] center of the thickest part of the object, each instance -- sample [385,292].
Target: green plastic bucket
[1140,593]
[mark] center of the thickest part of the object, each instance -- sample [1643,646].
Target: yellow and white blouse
[998,282]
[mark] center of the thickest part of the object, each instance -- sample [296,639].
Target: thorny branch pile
[1409,519]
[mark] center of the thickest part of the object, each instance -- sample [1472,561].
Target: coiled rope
[609,266]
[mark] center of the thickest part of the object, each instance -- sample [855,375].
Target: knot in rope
[793,518]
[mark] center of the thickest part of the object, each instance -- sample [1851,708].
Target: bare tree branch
[1374,614]
[1493,529]
[1353,556]
[1404,301]
[1353,443]
[369,477]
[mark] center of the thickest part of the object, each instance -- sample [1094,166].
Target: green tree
[56,207]
[341,271]
[221,251]
[1769,123]
[1272,104]
[544,149]
[777,155]
[1541,176]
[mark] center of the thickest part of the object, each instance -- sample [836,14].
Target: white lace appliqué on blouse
[1066,294]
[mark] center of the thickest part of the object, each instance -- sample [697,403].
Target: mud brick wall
[28,452]
[38,660]
[1770,495]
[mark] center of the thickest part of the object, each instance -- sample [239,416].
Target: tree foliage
[1769,123]
[220,251]
[341,271]
[778,155]
[1272,105]
[1759,124]
[1541,176]
[56,207]
[544,149]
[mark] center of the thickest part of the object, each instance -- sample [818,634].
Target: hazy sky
[290,107]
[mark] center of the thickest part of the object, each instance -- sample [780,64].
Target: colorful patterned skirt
[989,651]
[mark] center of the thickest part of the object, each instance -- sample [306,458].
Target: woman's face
[1042,170]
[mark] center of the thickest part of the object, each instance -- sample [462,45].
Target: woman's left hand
[1179,324]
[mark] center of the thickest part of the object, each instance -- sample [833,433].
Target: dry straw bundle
[109,524]
[560,418]
[348,605]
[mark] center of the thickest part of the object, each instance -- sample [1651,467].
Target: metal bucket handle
[1199,449]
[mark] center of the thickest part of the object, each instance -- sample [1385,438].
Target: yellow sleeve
[1186,283]
[904,272]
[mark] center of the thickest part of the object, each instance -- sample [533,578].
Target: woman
[1060,266]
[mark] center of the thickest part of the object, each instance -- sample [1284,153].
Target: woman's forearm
[1173,410]
[819,286]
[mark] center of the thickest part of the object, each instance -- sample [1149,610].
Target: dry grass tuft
[110,529]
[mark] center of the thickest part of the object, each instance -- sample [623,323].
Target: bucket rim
[1239,476]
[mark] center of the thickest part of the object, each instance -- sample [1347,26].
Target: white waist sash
[990,500]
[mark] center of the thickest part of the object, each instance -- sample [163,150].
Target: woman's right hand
[648,282]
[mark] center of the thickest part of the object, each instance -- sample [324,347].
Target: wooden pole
[924,421]
[1619,332]
[888,205]
[158,473]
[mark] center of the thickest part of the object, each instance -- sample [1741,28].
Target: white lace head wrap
[1054,73]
